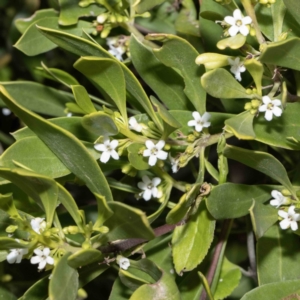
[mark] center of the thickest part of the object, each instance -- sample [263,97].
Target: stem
[249,8]
[206,286]
[251,251]
[215,267]
[201,172]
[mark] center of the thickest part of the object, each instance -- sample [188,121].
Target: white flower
[42,258]
[270,107]
[124,263]
[174,163]
[279,199]
[237,67]
[238,23]
[16,255]
[290,218]
[115,48]
[199,122]
[149,187]
[134,125]
[155,151]
[108,150]
[38,225]
[6,111]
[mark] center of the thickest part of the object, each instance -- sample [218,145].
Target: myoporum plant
[157,154]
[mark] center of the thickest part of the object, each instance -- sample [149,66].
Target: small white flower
[134,125]
[290,218]
[154,151]
[102,18]
[270,107]
[174,163]
[115,48]
[16,255]
[279,199]
[237,67]
[149,187]
[42,258]
[199,122]
[238,23]
[124,263]
[6,111]
[69,114]
[38,225]
[108,150]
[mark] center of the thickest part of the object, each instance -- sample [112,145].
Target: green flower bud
[167,147]
[286,192]
[255,103]
[248,106]
[47,233]
[6,278]
[282,36]
[190,138]
[248,91]
[65,230]
[189,149]
[86,245]
[11,228]
[112,19]
[129,170]
[82,294]
[182,160]
[54,230]
[253,111]
[102,229]
[120,19]
[73,229]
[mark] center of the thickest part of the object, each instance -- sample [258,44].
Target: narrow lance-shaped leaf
[262,162]
[65,146]
[256,69]
[83,99]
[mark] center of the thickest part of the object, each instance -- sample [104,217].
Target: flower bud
[255,103]
[253,111]
[102,18]
[286,192]
[86,245]
[82,294]
[212,60]
[189,149]
[113,19]
[248,106]
[11,228]
[167,147]
[248,91]
[190,138]
[73,229]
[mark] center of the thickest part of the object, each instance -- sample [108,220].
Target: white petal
[156,181]
[196,116]
[244,30]
[114,144]
[162,155]
[35,260]
[147,195]
[247,20]
[268,115]
[294,225]
[275,202]
[12,257]
[276,194]
[206,124]
[132,121]
[50,260]
[266,100]
[238,76]
[149,144]
[237,14]
[276,102]
[154,192]
[46,251]
[291,210]
[206,116]
[38,252]
[277,111]
[147,152]
[192,123]
[146,179]
[42,264]
[152,160]
[283,214]
[242,68]
[198,127]
[229,20]
[233,30]
[105,156]
[100,147]
[114,155]
[263,108]
[142,185]
[284,224]
[19,258]
[160,144]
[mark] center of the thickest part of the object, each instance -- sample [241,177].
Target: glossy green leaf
[229,279]
[263,217]
[65,146]
[70,11]
[38,98]
[32,42]
[262,162]
[179,54]
[145,5]
[293,8]
[212,60]
[23,24]
[90,272]
[82,99]
[256,69]
[283,53]
[220,83]
[133,280]
[83,47]
[191,241]
[71,124]
[7,295]
[38,291]
[108,75]
[84,257]
[135,157]
[104,212]
[10,243]
[119,291]
[128,222]
[277,252]
[7,205]
[278,290]
[277,131]
[164,81]
[233,42]
[241,126]
[32,153]
[230,200]
[63,274]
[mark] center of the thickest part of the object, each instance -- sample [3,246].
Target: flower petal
[237,14]
[229,20]
[114,144]
[198,127]
[192,123]
[196,116]
[142,185]
[147,195]
[269,115]
[50,260]
[114,155]
[154,192]
[147,152]
[12,257]
[162,155]
[233,30]
[35,260]
[38,252]
[156,181]
[277,111]
[247,20]
[294,225]
[262,108]
[149,144]
[282,214]
[46,251]
[276,102]
[160,144]
[275,202]
[42,264]
[146,179]
[206,116]
[284,224]
[100,147]
[266,100]
[105,156]
[152,160]
[244,30]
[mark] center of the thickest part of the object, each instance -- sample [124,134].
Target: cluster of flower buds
[253,106]
[267,2]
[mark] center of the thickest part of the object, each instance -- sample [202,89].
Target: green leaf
[220,83]
[191,241]
[293,8]
[84,257]
[283,53]
[263,217]
[277,252]
[70,11]
[32,153]
[133,279]
[99,123]
[275,291]
[128,222]
[40,188]
[230,200]
[65,146]
[145,5]
[38,291]
[277,131]
[63,274]
[9,243]
[5,294]
[164,81]
[83,47]
[32,42]
[229,279]
[241,126]
[256,69]
[233,42]
[7,205]
[107,75]
[179,54]
[90,272]
[82,99]
[104,212]
[262,162]
[119,291]
[38,98]
[136,158]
